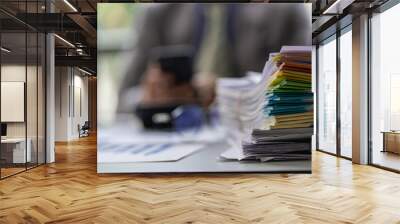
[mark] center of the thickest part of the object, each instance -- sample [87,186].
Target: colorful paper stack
[289,98]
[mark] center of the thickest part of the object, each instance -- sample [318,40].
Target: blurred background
[115,27]
[225,40]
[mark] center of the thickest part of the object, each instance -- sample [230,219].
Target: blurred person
[228,40]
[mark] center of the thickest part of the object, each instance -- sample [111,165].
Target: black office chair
[84,130]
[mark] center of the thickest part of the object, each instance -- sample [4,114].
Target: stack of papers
[241,101]
[279,144]
[289,99]
[274,113]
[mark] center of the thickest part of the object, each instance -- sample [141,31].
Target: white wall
[34,125]
[62,81]
[80,109]
[71,94]
[12,73]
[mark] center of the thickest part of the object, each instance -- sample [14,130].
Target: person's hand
[160,88]
[204,84]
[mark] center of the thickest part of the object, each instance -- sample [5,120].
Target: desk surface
[13,140]
[391,132]
[205,160]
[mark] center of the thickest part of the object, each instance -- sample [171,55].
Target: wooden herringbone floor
[70,191]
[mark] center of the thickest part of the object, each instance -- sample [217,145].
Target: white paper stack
[240,104]
[244,108]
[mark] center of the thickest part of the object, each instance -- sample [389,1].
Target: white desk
[204,161]
[19,154]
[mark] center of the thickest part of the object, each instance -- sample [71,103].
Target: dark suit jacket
[254,29]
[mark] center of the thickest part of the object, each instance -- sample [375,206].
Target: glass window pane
[385,86]
[41,98]
[32,87]
[14,153]
[22,89]
[31,96]
[327,97]
[346,94]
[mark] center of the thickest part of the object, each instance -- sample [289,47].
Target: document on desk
[123,145]
[145,152]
